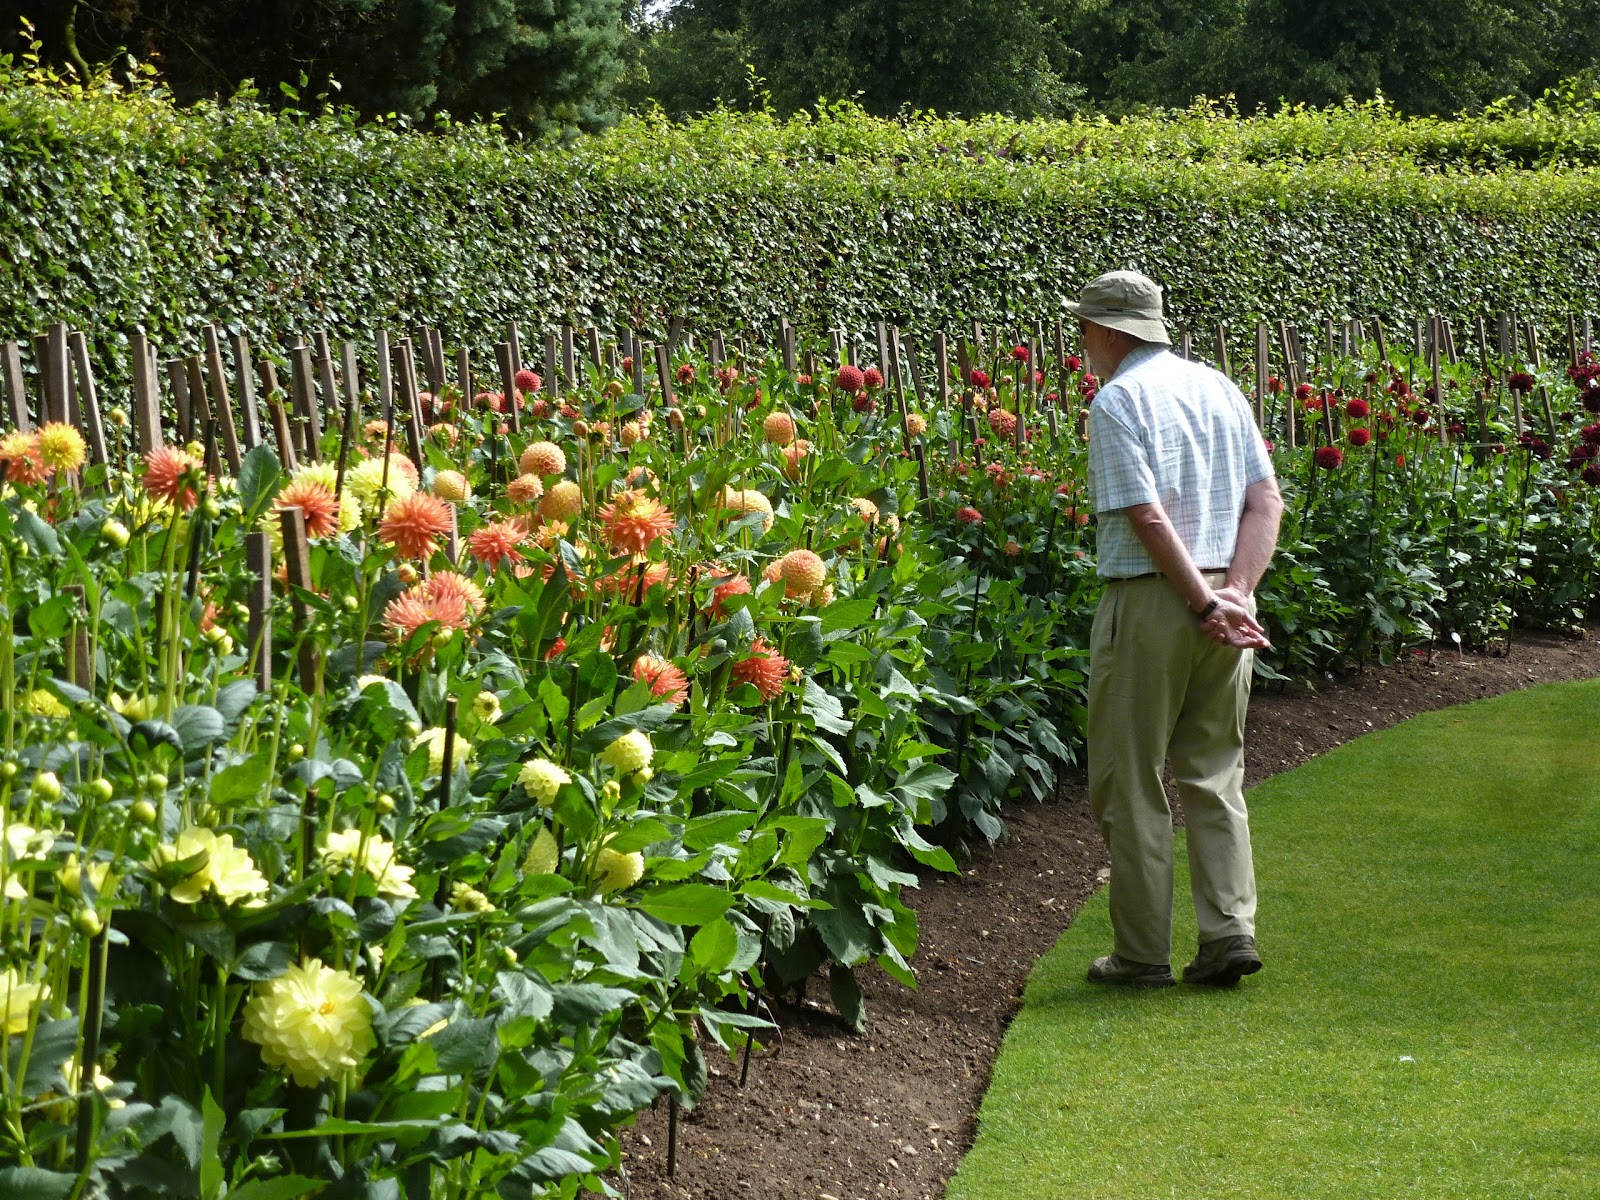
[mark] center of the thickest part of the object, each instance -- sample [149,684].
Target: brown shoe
[1124,972]
[1224,962]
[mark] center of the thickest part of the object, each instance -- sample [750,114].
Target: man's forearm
[1258,536]
[1166,549]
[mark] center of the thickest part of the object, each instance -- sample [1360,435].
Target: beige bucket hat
[1124,300]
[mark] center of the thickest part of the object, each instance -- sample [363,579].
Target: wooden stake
[178,382]
[352,413]
[592,338]
[916,373]
[297,558]
[244,380]
[941,364]
[569,356]
[75,648]
[405,372]
[515,342]
[221,406]
[258,599]
[54,366]
[1262,374]
[88,403]
[1222,349]
[16,393]
[553,378]
[307,421]
[282,429]
[508,380]
[664,371]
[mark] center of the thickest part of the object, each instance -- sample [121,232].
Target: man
[1188,519]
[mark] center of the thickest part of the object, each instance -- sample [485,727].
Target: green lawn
[1428,1020]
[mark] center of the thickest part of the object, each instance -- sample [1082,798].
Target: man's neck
[1133,356]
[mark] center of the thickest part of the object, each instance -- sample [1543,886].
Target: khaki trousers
[1159,689]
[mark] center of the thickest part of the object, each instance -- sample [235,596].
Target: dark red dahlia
[872,377]
[849,379]
[1304,392]
[1357,409]
[1360,436]
[977,378]
[1591,474]
[1591,434]
[1074,363]
[1090,387]
[1019,353]
[1329,457]
[1521,381]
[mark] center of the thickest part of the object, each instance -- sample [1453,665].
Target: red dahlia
[849,380]
[872,377]
[1357,408]
[528,382]
[1329,457]
[1360,436]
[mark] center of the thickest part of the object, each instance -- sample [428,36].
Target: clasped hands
[1231,623]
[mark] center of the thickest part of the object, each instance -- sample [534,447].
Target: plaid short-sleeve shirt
[1178,434]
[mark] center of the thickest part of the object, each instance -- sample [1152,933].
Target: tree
[950,56]
[546,64]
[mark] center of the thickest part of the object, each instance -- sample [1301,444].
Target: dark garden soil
[829,1115]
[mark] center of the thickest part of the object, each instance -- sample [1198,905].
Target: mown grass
[1428,1021]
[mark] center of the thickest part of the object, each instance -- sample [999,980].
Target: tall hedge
[120,209]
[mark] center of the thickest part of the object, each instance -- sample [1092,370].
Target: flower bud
[115,532]
[611,792]
[100,790]
[212,508]
[118,417]
[385,803]
[144,812]
[643,776]
[8,771]
[87,921]
[47,786]
[406,573]
[296,752]
[156,782]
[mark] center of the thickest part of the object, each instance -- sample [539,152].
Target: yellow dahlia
[61,447]
[629,753]
[614,870]
[542,779]
[452,486]
[543,856]
[227,873]
[18,998]
[746,502]
[44,704]
[433,739]
[469,899]
[364,481]
[562,502]
[634,520]
[312,1021]
[375,857]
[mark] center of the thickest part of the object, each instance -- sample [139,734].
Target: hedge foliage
[121,208]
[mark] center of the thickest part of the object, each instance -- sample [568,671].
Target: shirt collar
[1142,354]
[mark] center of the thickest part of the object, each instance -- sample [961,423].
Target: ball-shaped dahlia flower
[526,381]
[615,870]
[542,459]
[849,379]
[452,486]
[779,428]
[916,424]
[802,572]
[544,854]
[562,502]
[1360,436]
[629,753]
[525,489]
[542,779]
[1329,457]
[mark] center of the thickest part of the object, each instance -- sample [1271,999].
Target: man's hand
[1231,623]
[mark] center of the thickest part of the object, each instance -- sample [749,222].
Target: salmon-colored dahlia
[743,503]
[61,447]
[318,503]
[867,509]
[447,584]
[525,489]
[630,584]
[495,543]
[406,614]
[773,571]
[414,524]
[169,475]
[667,682]
[634,520]
[792,456]
[916,424]
[541,459]
[562,502]
[765,668]
[779,428]
[20,452]
[722,593]
[632,432]
[802,573]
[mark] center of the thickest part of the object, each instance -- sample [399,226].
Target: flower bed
[572,738]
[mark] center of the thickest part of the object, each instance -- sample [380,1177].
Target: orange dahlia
[415,523]
[802,573]
[319,504]
[630,584]
[169,475]
[779,428]
[452,584]
[722,593]
[20,451]
[406,614]
[765,668]
[634,520]
[525,489]
[792,455]
[666,681]
[496,542]
[541,459]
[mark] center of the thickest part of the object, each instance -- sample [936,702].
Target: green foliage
[127,210]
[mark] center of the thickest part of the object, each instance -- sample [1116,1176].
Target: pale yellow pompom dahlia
[228,873]
[312,1021]
[629,753]
[614,870]
[543,856]
[376,858]
[365,480]
[452,486]
[542,779]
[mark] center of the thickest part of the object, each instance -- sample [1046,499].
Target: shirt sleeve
[1119,467]
[1257,462]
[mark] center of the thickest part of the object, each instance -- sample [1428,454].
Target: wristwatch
[1208,609]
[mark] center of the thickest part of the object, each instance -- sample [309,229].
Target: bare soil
[830,1115]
